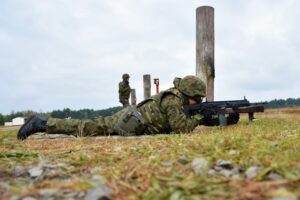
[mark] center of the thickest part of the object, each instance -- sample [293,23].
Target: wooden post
[205,65]
[133,97]
[147,85]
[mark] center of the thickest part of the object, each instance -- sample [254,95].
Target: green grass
[148,167]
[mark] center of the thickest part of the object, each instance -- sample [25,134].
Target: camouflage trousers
[100,126]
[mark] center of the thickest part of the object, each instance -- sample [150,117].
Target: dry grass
[148,167]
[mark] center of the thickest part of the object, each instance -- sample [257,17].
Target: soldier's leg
[98,126]
[64,126]
[78,128]
[81,128]
[125,103]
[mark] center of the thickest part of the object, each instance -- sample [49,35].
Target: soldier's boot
[33,125]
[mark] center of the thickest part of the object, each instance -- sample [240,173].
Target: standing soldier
[124,90]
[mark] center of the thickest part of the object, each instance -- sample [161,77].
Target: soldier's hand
[198,117]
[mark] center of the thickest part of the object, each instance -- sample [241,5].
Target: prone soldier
[160,113]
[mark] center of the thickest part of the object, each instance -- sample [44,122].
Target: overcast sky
[56,54]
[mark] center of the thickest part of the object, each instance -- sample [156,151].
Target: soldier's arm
[120,87]
[178,120]
[128,90]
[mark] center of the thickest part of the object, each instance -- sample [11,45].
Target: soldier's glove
[198,117]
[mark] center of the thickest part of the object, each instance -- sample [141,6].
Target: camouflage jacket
[124,90]
[164,113]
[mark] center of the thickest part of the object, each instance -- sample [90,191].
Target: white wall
[18,121]
[15,122]
[8,123]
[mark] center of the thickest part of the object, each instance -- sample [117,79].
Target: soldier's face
[195,100]
[192,101]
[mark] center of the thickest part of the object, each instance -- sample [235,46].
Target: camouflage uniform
[81,128]
[124,90]
[163,113]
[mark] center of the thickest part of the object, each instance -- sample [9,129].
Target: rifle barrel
[246,109]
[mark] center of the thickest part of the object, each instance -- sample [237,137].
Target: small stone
[166,164]
[200,166]
[61,165]
[233,173]
[233,152]
[28,198]
[70,195]
[252,172]
[35,172]
[48,192]
[218,169]
[133,149]
[66,194]
[97,178]
[224,164]
[183,160]
[99,192]
[49,166]
[80,195]
[225,172]
[237,176]
[19,171]
[237,170]
[274,177]
[117,148]
[282,194]
[212,172]
[96,170]
[14,198]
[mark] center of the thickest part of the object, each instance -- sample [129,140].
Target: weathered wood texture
[205,41]
[147,85]
[133,97]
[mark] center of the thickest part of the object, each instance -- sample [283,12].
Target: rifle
[224,112]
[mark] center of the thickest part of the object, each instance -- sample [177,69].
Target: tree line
[90,113]
[65,113]
[283,103]
[84,113]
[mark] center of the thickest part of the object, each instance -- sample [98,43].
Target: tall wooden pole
[133,97]
[205,41]
[147,86]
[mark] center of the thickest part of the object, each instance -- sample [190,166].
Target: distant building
[18,121]
[8,123]
[15,122]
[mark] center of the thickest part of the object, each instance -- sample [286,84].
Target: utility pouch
[131,122]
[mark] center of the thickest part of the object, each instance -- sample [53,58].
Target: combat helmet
[192,86]
[125,76]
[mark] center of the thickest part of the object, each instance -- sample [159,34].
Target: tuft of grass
[19,155]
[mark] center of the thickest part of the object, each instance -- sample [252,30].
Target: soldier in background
[160,113]
[124,90]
